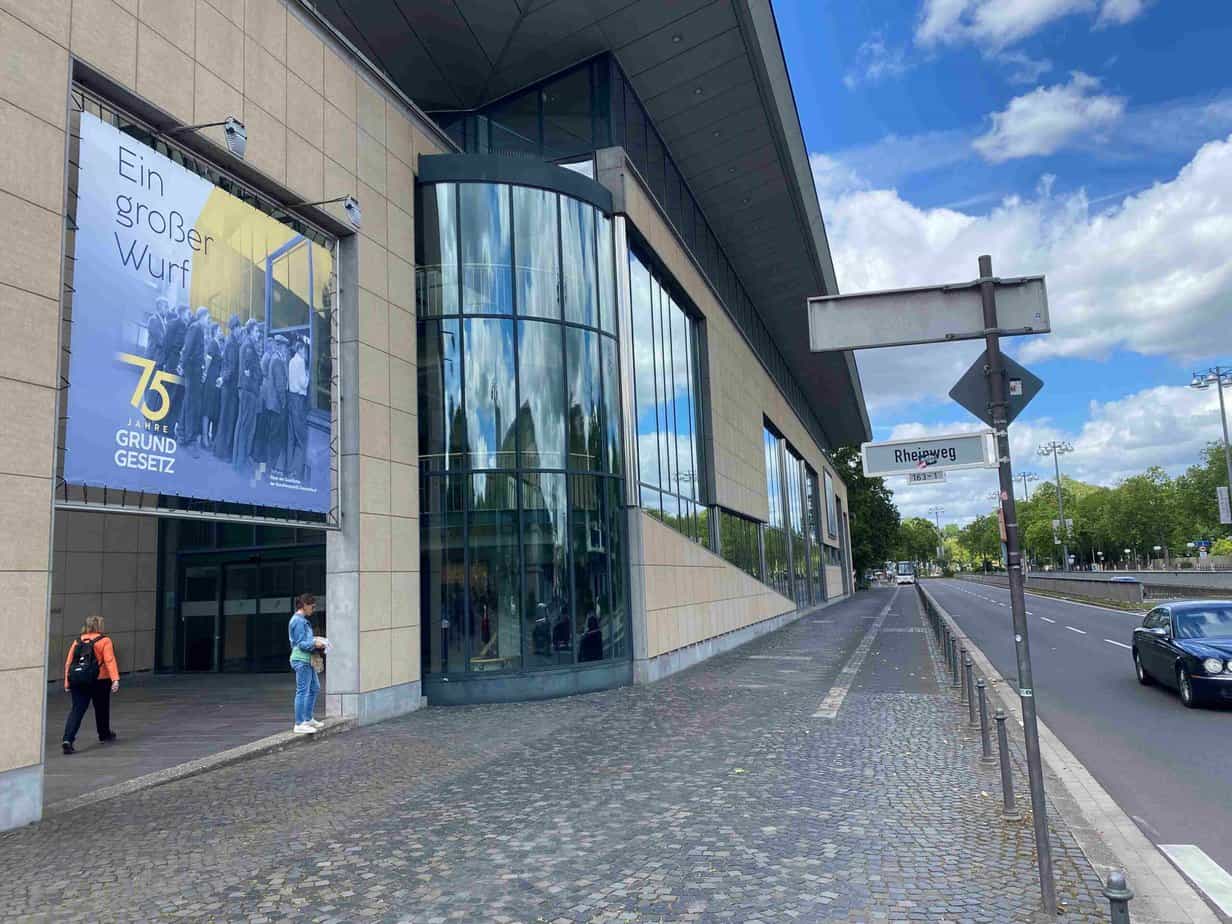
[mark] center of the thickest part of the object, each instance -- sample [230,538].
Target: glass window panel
[582,380]
[442,566]
[739,542]
[535,240]
[234,535]
[513,126]
[640,292]
[635,129]
[611,456]
[577,226]
[545,544]
[682,408]
[591,565]
[487,256]
[655,163]
[436,239]
[607,275]
[491,408]
[705,526]
[614,622]
[652,502]
[195,534]
[494,576]
[567,115]
[663,379]
[541,416]
[831,516]
[442,435]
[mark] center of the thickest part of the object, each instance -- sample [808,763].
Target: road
[1168,767]
[1213,579]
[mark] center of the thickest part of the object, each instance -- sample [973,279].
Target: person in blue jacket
[307,686]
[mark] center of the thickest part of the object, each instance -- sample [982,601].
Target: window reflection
[442,435]
[522,555]
[487,257]
[645,403]
[582,378]
[545,542]
[436,239]
[541,416]
[535,233]
[577,237]
[491,408]
[442,566]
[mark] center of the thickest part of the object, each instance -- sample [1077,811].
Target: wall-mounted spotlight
[350,205]
[233,133]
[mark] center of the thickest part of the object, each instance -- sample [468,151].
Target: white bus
[904,573]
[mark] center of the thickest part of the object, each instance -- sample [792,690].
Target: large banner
[200,362]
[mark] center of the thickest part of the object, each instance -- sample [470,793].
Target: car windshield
[1211,622]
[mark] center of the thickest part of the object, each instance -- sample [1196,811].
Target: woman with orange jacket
[99,691]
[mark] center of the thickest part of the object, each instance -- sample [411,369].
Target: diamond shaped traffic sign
[971,391]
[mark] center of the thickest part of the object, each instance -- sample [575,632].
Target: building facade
[545,277]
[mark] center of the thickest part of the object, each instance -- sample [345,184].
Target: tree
[874,519]
[918,540]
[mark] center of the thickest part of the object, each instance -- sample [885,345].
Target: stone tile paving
[711,796]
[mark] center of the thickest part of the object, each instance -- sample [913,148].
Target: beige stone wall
[742,394]
[105,564]
[693,594]
[319,126]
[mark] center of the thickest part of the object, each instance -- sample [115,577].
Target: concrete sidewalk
[718,794]
[163,721]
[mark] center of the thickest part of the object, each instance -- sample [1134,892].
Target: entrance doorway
[229,597]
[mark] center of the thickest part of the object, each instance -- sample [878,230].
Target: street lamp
[1219,376]
[1057,448]
[936,512]
[1027,476]
[1128,552]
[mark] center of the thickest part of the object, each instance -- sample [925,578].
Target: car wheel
[1143,677]
[1185,685]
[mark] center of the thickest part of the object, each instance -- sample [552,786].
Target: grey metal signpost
[939,314]
[998,402]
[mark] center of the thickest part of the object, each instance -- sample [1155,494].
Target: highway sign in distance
[971,391]
[928,476]
[930,453]
[1225,509]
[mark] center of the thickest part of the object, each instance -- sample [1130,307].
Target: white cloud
[876,61]
[1048,118]
[1022,67]
[1166,426]
[1150,274]
[1000,23]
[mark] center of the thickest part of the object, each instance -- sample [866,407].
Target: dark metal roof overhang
[698,66]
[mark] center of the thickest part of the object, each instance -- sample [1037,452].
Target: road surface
[1168,767]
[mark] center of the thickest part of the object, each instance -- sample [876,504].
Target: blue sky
[1090,140]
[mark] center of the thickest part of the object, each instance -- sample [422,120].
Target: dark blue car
[1187,645]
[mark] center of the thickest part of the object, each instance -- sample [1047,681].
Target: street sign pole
[998,401]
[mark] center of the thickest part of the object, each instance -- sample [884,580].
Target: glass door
[239,607]
[270,646]
[199,629]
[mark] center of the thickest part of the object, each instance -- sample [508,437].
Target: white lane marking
[1118,644]
[780,658]
[1204,872]
[1046,619]
[1079,631]
[842,684]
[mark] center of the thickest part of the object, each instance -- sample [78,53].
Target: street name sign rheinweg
[928,476]
[934,314]
[971,391]
[930,453]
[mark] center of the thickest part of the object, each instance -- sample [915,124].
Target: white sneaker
[304,729]
[316,723]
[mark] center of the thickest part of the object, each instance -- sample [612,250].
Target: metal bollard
[970,688]
[1009,810]
[964,679]
[1118,893]
[985,732]
[954,646]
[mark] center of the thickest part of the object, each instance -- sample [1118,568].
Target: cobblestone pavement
[715,795]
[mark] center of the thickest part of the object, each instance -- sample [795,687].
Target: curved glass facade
[522,557]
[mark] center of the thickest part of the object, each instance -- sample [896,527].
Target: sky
[1086,140]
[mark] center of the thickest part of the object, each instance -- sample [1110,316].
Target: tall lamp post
[1219,376]
[936,512]
[1026,477]
[1056,449]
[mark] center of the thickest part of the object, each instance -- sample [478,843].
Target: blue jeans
[306,688]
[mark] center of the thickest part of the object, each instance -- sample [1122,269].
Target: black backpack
[83,670]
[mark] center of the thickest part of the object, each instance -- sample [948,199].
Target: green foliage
[874,518]
[1141,512]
